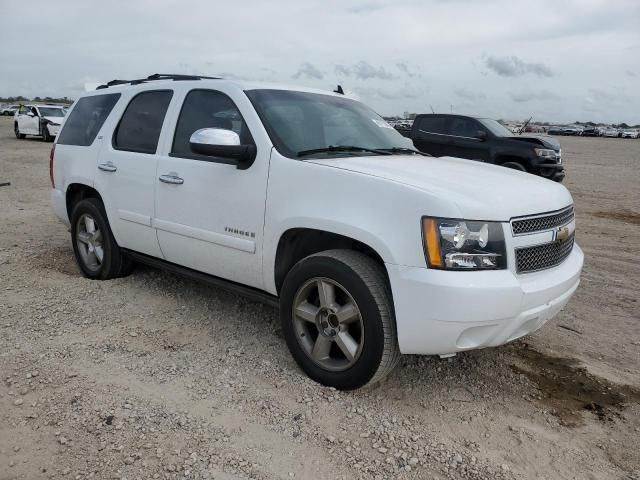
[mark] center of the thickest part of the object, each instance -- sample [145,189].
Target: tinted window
[464,127]
[207,109]
[431,125]
[86,119]
[139,128]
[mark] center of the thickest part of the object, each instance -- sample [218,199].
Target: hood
[57,120]
[480,191]
[542,140]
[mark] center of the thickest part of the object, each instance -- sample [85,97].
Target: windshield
[51,111]
[300,121]
[496,127]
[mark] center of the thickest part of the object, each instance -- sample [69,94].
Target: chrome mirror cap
[215,136]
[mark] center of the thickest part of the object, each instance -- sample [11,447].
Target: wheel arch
[79,191]
[505,158]
[297,243]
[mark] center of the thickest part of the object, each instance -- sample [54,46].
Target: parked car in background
[591,132]
[489,141]
[283,194]
[572,130]
[630,133]
[9,110]
[39,120]
[611,132]
[555,130]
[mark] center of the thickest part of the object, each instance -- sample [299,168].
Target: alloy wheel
[89,242]
[328,324]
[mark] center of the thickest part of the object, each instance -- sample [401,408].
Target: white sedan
[40,120]
[630,134]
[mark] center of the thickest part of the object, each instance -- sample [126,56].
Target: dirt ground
[155,376]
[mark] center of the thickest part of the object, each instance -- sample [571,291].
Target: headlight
[546,153]
[451,244]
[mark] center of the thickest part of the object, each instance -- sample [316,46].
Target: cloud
[405,69]
[530,95]
[363,71]
[309,71]
[514,67]
[631,74]
[469,94]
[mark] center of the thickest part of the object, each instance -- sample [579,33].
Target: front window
[300,122]
[496,127]
[52,112]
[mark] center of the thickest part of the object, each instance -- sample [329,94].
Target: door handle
[171,178]
[107,167]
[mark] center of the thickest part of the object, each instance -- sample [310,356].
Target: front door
[28,121]
[126,171]
[465,142]
[209,213]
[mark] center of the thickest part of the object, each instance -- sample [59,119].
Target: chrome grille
[540,257]
[540,223]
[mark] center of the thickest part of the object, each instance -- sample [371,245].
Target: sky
[555,60]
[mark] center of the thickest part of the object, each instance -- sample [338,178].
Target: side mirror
[218,142]
[30,113]
[481,135]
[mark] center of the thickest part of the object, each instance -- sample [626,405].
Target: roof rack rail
[156,76]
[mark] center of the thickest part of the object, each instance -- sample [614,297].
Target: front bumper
[442,312]
[53,130]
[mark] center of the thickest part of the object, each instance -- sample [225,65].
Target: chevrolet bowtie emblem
[562,233]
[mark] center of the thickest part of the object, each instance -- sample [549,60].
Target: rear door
[126,170]
[465,142]
[429,135]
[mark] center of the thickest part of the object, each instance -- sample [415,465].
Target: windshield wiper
[405,150]
[342,148]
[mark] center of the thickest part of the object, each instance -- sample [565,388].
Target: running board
[233,287]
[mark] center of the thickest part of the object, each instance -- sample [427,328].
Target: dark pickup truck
[486,140]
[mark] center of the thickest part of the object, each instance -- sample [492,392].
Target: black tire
[514,166]
[366,282]
[17,131]
[46,136]
[113,263]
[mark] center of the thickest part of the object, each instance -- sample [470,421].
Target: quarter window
[86,119]
[140,126]
[207,109]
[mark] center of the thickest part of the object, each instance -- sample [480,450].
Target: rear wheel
[97,253]
[337,318]
[16,130]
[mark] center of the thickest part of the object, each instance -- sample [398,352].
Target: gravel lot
[155,376]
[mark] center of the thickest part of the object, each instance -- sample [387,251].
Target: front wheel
[16,131]
[514,166]
[46,136]
[97,253]
[337,317]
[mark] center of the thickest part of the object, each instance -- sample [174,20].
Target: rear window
[431,125]
[86,119]
[140,126]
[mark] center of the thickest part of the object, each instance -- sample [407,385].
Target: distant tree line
[21,99]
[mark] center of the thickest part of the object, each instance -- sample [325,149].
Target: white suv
[40,120]
[311,201]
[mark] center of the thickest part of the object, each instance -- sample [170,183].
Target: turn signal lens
[432,242]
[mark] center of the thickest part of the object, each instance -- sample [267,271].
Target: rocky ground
[154,376]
